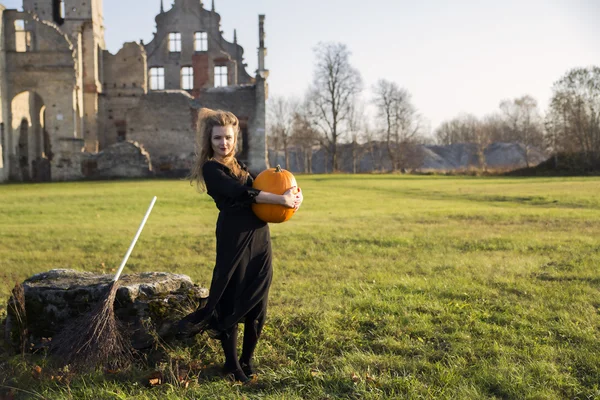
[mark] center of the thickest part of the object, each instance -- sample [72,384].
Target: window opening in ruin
[201,41]
[23,150]
[121,130]
[22,37]
[157,78]
[58,11]
[221,76]
[187,78]
[174,42]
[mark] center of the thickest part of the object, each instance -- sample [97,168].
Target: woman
[243,271]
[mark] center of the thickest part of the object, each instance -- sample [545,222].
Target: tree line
[332,113]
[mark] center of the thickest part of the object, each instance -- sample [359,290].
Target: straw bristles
[95,339]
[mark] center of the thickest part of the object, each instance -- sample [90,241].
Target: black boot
[248,368]
[236,374]
[251,334]
[232,366]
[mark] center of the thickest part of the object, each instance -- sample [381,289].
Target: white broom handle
[137,235]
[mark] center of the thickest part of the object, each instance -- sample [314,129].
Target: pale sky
[453,56]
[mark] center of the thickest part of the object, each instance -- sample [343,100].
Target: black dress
[243,270]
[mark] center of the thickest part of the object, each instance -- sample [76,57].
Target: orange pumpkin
[278,181]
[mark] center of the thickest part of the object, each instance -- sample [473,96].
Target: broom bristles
[95,339]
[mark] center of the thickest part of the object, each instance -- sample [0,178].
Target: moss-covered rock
[148,303]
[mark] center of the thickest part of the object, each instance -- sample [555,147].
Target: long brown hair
[207,120]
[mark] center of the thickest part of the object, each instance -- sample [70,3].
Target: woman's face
[222,141]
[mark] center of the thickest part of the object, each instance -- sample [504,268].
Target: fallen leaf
[112,371]
[355,378]
[155,379]
[370,379]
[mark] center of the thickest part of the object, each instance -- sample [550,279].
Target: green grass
[385,286]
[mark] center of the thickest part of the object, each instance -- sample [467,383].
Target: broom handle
[137,235]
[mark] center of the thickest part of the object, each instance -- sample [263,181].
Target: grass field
[385,286]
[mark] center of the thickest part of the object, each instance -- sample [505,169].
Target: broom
[97,338]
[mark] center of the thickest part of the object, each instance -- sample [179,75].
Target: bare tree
[357,125]
[575,112]
[466,128]
[372,146]
[274,146]
[333,92]
[485,133]
[523,123]
[304,136]
[282,111]
[400,120]
[461,129]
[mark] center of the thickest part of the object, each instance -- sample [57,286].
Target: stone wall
[74,9]
[125,82]
[68,158]
[164,124]
[27,137]
[121,160]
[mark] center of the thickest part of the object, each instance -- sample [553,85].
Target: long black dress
[243,270]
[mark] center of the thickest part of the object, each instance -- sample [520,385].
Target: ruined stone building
[70,109]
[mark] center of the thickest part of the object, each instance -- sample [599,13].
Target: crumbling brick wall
[163,122]
[125,83]
[121,160]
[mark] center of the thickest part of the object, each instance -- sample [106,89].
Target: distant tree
[574,115]
[399,118]
[282,112]
[461,129]
[336,85]
[357,125]
[523,123]
[486,132]
[372,146]
[466,128]
[274,145]
[304,136]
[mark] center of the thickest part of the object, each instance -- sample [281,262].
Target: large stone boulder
[148,304]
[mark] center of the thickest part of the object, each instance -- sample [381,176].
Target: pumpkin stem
[278,168]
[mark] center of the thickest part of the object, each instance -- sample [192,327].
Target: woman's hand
[293,198]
